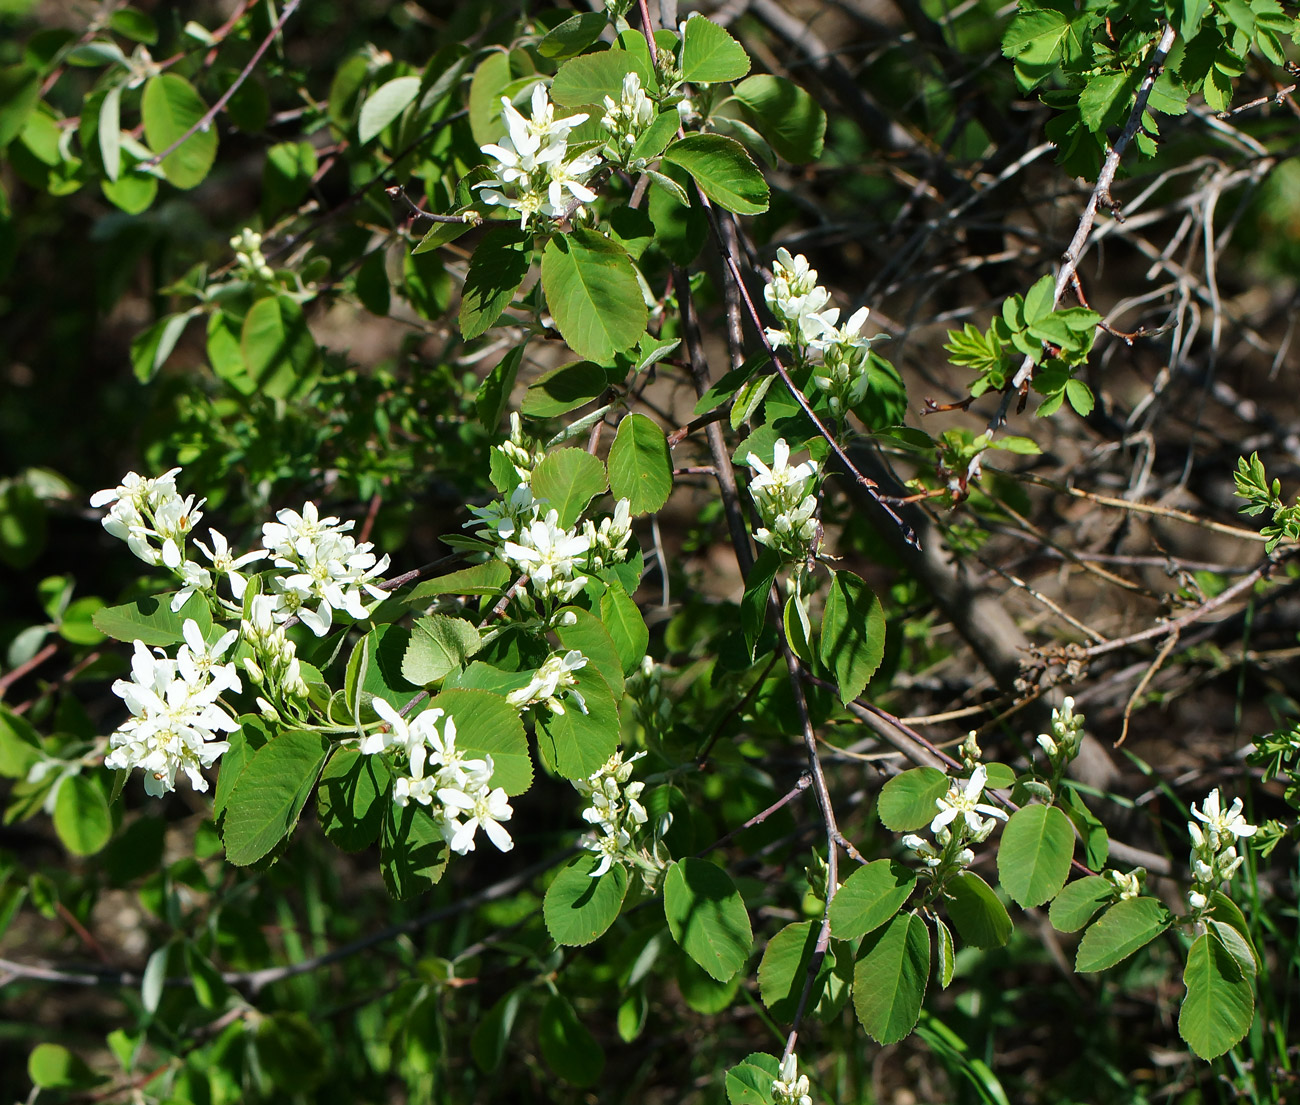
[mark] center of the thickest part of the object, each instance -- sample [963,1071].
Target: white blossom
[226,564]
[549,554]
[553,678]
[789,1089]
[615,811]
[964,801]
[785,503]
[1223,824]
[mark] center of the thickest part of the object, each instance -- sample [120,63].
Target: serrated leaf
[151,620]
[640,465]
[264,806]
[170,106]
[351,798]
[907,801]
[579,908]
[1034,855]
[497,268]
[710,54]
[1127,926]
[625,625]
[412,853]
[980,919]
[576,744]
[1219,1006]
[568,479]
[573,35]
[564,389]
[1079,902]
[487,578]
[438,644]
[890,978]
[784,114]
[750,1082]
[593,294]
[722,170]
[707,917]
[488,83]
[280,355]
[870,897]
[590,78]
[758,590]
[486,724]
[853,634]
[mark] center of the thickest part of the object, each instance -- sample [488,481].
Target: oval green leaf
[487,724]
[564,389]
[793,123]
[593,294]
[170,107]
[870,897]
[907,801]
[1124,928]
[1219,1005]
[385,104]
[710,54]
[272,789]
[575,744]
[1079,902]
[722,170]
[81,815]
[853,634]
[566,1045]
[568,479]
[640,466]
[707,917]
[980,919]
[890,978]
[1034,856]
[496,270]
[579,908]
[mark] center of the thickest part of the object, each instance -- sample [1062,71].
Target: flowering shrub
[572,176]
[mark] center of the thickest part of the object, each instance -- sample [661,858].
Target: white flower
[486,811]
[789,1089]
[782,495]
[503,518]
[145,510]
[627,119]
[548,681]
[548,554]
[797,300]
[224,564]
[194,577]
[964,801]
[1223,825]
[614,810]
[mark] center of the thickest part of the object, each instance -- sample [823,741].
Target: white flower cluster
[786,503]
[553,679]
[247,245]
[1214,857]
[1129,885]
[614,811]
[549,555]
[145,511]
[958,823]
[534,174]
[627,120]
[175,712]
[326,567]
[790,1088]
[809,327]
[519,450]
[608,541]
[456,789]
[1062,744]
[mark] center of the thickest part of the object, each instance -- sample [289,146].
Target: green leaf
[870,897]
[587,80]
[135,25]
[81,815]
[264,806]
[487,724]
[1236,946]
[1034,856]
[494,392]
[291,1052]
[1224,910]
[568,479]
[592,291]
[758,590]
[170,106]
[572,36]
[1080,397]
[750,1082]
[485,90]
[979,918]
[703,993]
[1079,902]
[1039,300]
[280,354]
[1219,1006]
[640,466]
[151,347]
[53,1067]
[784,969]
[566,1045]
[1124,928]
[151,620]
[110,132]
[496,270]
[578,908]
[1096,841]
[575,744]
[1107,99]
[351,798]
[564,389]
[20,745]
[625,625]
[722,170]
[710,54]
[20,91]
[681,226]
[946,955]
[487,578]
[655,138]
[492,1032]
[412,854]
[853,634]
[791,120]
[385,104]
[707,917]
[907,801]
[890,978]
[588,635]
[438,644]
